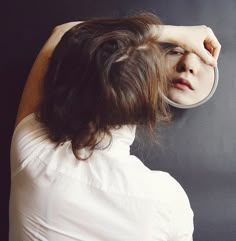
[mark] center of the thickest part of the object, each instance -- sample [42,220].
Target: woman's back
[111,196]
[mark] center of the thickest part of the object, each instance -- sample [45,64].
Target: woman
[191,80]
[73,177]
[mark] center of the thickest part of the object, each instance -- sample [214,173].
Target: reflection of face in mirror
[191,80]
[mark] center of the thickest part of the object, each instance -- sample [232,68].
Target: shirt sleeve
[27,136]
[182,225]
[173,209]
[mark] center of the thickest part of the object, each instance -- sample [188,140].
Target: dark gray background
[198,148]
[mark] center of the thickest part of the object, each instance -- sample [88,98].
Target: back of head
[103,74]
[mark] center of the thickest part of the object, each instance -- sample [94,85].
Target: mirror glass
[191,81]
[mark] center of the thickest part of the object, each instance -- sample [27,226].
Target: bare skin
[191,80]
[195,39]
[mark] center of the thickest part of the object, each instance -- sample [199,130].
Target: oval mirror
[191,82]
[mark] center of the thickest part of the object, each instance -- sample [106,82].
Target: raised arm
[32,91]
[198,39]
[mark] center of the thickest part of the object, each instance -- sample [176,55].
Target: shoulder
[156,185]
[171,193]
[178,209]
[170,186]
[28,126]
[29,137]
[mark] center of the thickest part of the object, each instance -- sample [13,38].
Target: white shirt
[111,196]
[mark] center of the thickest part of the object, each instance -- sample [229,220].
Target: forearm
[39,68]
[167,33]
[197,39]
[32,93]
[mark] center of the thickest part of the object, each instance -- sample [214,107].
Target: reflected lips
[182,84]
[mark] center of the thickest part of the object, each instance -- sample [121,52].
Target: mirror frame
[181,106]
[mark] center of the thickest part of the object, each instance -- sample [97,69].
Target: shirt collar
[121,138]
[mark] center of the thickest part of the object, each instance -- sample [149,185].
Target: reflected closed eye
[176,51]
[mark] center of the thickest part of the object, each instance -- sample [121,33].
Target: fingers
[212,44]
[206,55]
[217,47]
[210,48]
[213,41]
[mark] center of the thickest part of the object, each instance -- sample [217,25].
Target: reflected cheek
[206,82]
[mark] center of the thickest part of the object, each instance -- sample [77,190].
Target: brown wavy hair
[104,73]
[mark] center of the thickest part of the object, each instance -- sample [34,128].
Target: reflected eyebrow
[168,45]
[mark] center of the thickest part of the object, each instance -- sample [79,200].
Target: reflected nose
[188,63]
